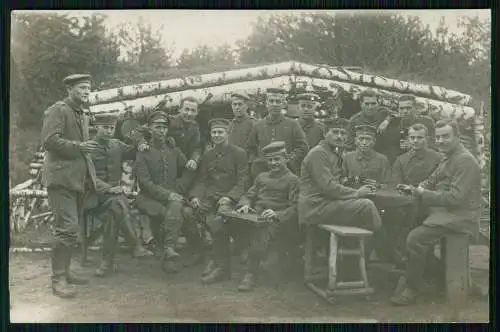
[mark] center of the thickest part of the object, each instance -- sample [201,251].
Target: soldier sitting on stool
[108,160]
[274,197]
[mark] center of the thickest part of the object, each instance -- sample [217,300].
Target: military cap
[308,97]
[368,93]
[274,148]
[160,117]
[331,123]
[219,123]
[365,129]
[241,95]
[277,91]
[76,78]
[407,98]
[105,120]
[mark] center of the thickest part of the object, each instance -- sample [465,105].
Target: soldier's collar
[74,106]
[242,118]
[365,155]
[277,120]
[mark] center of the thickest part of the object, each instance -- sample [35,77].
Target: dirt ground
[141,292]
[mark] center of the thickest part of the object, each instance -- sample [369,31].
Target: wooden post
[332,263]
[308,252]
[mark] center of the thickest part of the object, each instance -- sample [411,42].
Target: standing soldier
[276,127]
[314,131]
[452,195]
[162,185]
[223,175]
[370,114]
[365,162]
[68,173]
[242,124]
[274,198]
[393,139]
[108,165]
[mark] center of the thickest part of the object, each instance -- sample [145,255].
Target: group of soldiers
[287,173]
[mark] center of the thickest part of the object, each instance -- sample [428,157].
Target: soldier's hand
[175,197]
[143,147]
[224,201]
[195,203]
[383,126]
[243,209]
[191,165]
[365,190]
[268,214]
[89,147]
[115,190]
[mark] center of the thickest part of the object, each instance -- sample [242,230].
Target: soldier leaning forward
[162,185]
[69,173]
[222,179]
[274,198]
[276,127]
[108,165]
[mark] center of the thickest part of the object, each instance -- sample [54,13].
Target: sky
[190,28]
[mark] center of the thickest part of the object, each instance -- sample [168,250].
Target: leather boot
[407,297]
[247,284]
[170,261]
[216,275]
[60,286]
[208,268]
[127,230]
[110,243]
[71,277]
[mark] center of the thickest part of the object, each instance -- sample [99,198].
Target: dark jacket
[186,136]
[240,131]
[223,172]
[373,165]
[414,167]
[314,131]
[64,127]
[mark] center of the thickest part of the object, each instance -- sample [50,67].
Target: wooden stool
[335,287]
[455,258]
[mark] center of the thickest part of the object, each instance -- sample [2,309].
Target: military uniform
[270,130]
[323,199]
[363,118]
[371,165]
[68,175]
[160,172]
[271,190]
[389,142]
[314,131]
[452,195]
[241,128]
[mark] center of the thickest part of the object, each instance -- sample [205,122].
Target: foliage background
[47,47]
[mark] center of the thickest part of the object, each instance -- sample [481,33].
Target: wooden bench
[336,287]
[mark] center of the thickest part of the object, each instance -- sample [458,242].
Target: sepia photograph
[250,166]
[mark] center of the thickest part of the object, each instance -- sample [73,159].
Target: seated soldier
[323,199]
[452,195]
[273,196]
[159,174]
[365,163]
[223,174]
[107,161]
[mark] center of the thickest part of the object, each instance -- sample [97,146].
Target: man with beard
[276,127]
[69,174]
[221,182]
[273,196]
[323,199]
[108,165]
[308,105]
[394,131]
[452,195]
[370,115]
[242,124]
[365,162]
[162,181]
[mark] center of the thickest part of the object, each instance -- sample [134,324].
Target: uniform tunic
[323,200]
[284,129]
[414,167]
[372,165]
[187,137]
[240,130]
[397,129]
[314,131]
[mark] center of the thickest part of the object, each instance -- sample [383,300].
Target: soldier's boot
[71,277]
[208,268]
[170,261]
[221,271]
[110,243]
[60,286]
[248,283]
[128,233]
[197,249]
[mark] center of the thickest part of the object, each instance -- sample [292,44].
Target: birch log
[222,94]
[276,70]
